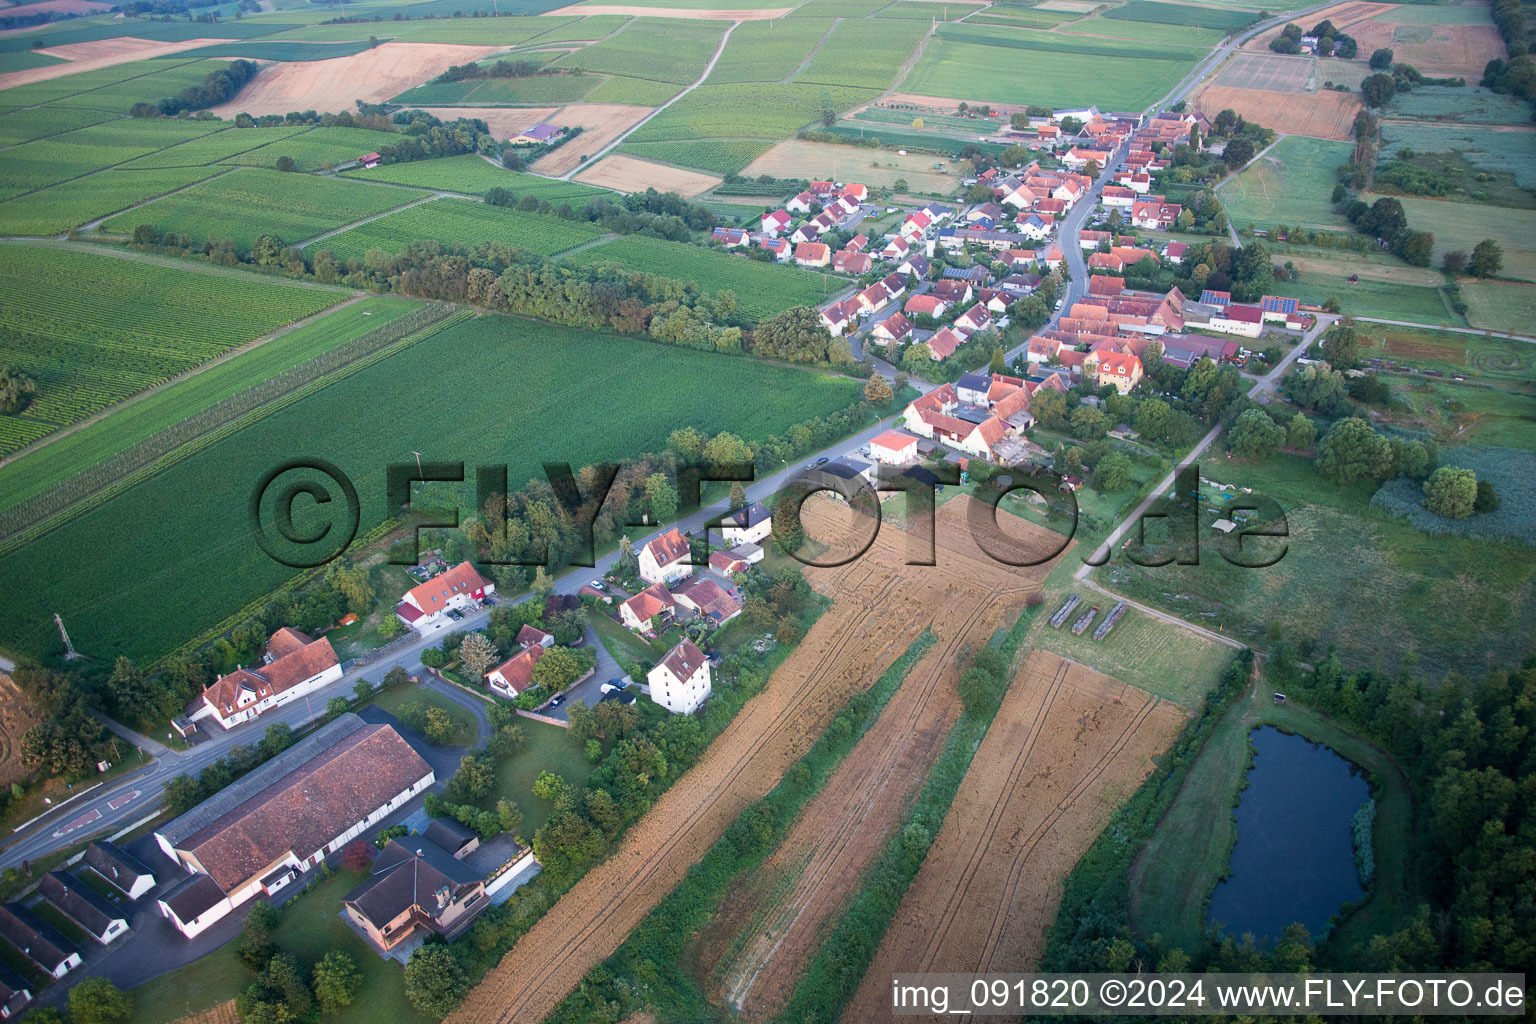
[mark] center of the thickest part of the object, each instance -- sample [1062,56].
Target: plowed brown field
[1437,50]
[1342,15]
[880,605]
[782,913]
[16,717]
[1322,115]
[1068,744]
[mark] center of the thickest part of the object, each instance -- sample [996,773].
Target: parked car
[611,686]
[598,585]
[823,460]
[556,701]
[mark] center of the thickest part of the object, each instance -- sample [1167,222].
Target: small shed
[458,839]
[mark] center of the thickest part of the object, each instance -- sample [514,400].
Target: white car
[598,585]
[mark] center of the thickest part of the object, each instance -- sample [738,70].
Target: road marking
[78,823]
[117,803]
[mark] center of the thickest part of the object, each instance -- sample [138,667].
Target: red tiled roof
[298,659]
[668,547]
[650,601]
[517,670]
[893,440]
[923,304]
[432,596]
[683,660]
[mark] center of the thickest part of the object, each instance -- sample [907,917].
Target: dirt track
[822,860]
[1321,115]
[1066,747]
[372,76]
[880,605]
[104,53]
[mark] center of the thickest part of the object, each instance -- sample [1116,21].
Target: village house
[750,524]
[926,304]
[708,599]
[852,263]
[777,246]
[266,829]
[807,232]
[665,558]
[680,681]
[727,564]
[426,607]
[858,243]
[1174,252]
[533,636]
[837,317]
[731,238]
[515,675]
[893,328]
[1117,197]
[537,135]
[93,912]
[974,319]
[914,266]
[873,298]
[802,203]
[973,428]
[1242,320]
[415,886]
[944,341]
[292,666]
[893,448]
[896,249]
[1282,310]
[813,254]
[649,611]
[1122,369]
[117,866]
[37,940]
[1212,297]
[951,291]
[777,222]
[1154,214]
[370,160]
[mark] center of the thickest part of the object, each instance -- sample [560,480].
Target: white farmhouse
[680,681]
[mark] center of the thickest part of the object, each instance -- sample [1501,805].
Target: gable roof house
[680,681]
[85,906]
[38,941]
[855,263]
[750,524]
[426,606]
[813,254]
[944,341]
[730,237]
[778,246]
[974,429]
[292,666]
[276,822]
[1155,214]
[893,448]
[977,318]
[893,328]
[807,232]
[653,607]
[665,557]
[1122,369]
[515,675]
[727,564]
[801,203]
[873,298]
[914,266]
[952,291]
[455,838]
[415,886]
[777,222]
[709,599]
[858,243]
[537,135]
[836,317]
[15,993]
[897,248]
[117,866]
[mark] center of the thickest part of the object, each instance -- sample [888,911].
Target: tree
[1087,423]
[1451,492]
[1454,262]
[1113,473]
[1300,433]
[357,855]
[1381,59]
[1049,407]
[98,1001]
[1352,450]
[899,185]
[1238,154]
[1487,258]
[477,653]
[558,668]
[434,981]
[509,815]
[1378,89]
[1318,390]
[1255,435]
[660,498]
[917,358]
[1153,417]
[1341,345]
[474,779]
[437,726]
[797,334]
[336,981]
[1487,499]
[548,786]
[285,163]
[1416,247]
[15,386]
[335,708]
[878,391]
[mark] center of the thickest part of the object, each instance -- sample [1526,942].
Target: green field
[765,111]
[210,149]
[1020,17]
[26,125]
[161,589]
[23,60]
[462,221]
[1153,32]
[1291,184]
[53,211]
[640,92]
[1031,39]
[989,73]
[149,88]
[1176,871]
[1437,14]
[723,156]
[66,456]
[1405,590]
[762,289]
[469,31]
[492,92]
[35,165]
[838,8]
[1474,105]
[904,11]
[546,748]
[246,203]
[317,149]
[93,329]
[474,176]
[854,56]
[286,50]
[1500,305]
[1494,361]
[1485,148]
[1369,297]
[768,51]
[592,27]
[1463,225]
[1152,12]
[661,49]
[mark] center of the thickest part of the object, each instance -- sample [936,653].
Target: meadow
[838,8]
[317,149]
[662,49]
[45,162]
[1463,225]
[286,50]
[1291,184]
[768,51]
[774,110]
[1152,12]
[854,56]
[1371,297]
[1152,32]
[66,456]
[1467,105]
[1500,305]
[474,176]
[461,221]
[160,589]
[761,289]
[1030,39]
[248,202]
[928,11]
[989,73]
[492,92]
[475,31]
[592,27]
[1489,149]
[123,94]
[92,329]
[1020,17]
[55,210]
[723,156]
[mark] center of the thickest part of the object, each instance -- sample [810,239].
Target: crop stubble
[880,605]
[1066,746]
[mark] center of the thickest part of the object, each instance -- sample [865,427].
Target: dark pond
[1294,859]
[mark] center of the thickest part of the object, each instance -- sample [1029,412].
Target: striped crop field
[463,222]
[92,329]
[472,175]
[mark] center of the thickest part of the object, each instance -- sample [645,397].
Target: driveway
[590,691]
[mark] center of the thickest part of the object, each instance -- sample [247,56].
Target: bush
[434,981]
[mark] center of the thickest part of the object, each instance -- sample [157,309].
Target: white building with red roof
[425,607]
[893,448]
[515,675]
[665,558]
[292,666]
[649,610]
[680,681]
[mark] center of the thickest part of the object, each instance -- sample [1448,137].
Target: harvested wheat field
[1320,115]
[601,123]
[504,122]
[1440,51]
[879,606]
[760,14]
[372,76]
[1269,71]
[16,717]
[103,53]
[1068,744]
[1342,15]
[796,158]
[775,921]
[631,174]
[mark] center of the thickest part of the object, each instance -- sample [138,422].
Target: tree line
[215,88]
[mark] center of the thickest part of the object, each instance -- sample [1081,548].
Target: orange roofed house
[1122,369]
[515,675]
[426,606]
[665,558]
[649,610]
[269,827]
[293,665]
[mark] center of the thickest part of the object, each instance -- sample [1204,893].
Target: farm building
[680,681]
[15,993]
[122,869]
[537,135]
[262,832]
[83,905]
[292,665]
[426,607]
[370,160]
[38,941]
